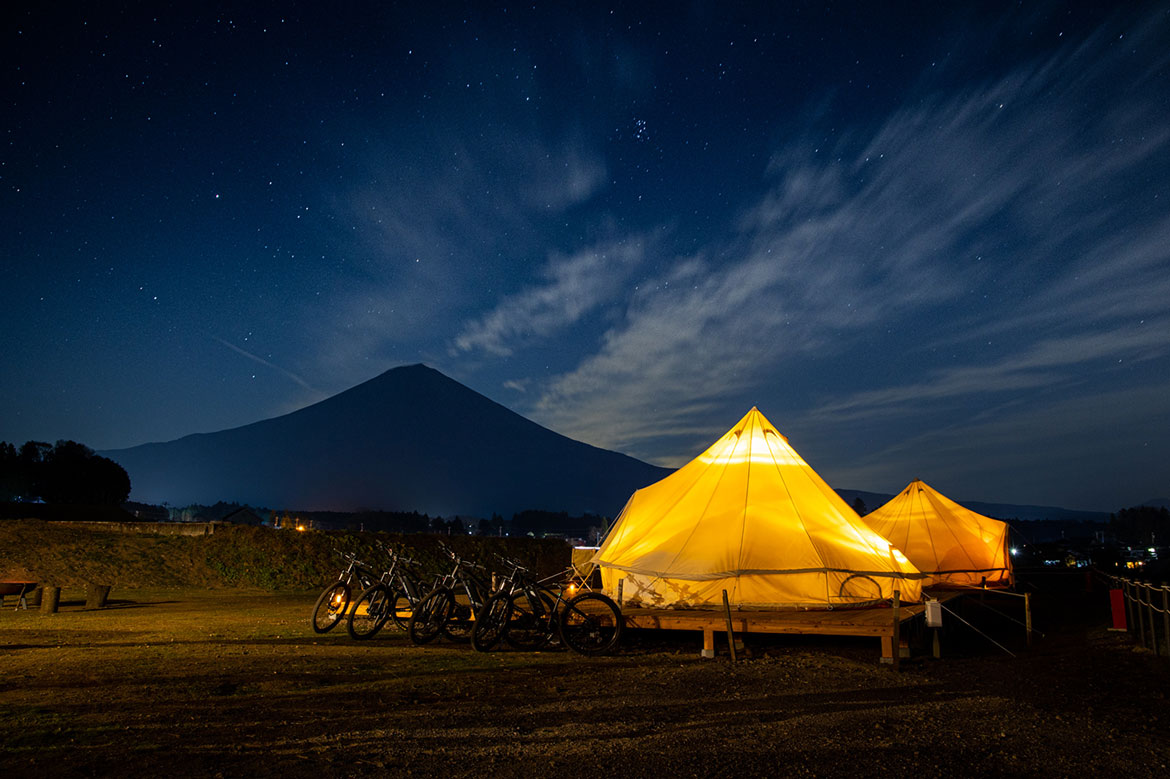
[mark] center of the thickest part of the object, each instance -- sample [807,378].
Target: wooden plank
[865,623]
[636,618]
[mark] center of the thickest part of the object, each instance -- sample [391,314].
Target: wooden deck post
[708,641]
[50,596]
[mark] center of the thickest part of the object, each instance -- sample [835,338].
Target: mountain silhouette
[410,439]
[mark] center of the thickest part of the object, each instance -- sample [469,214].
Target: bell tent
[952,545]
[751,517]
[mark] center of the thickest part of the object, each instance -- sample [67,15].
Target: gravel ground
[228,683]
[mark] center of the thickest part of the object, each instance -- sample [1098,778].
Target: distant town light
[1015,551]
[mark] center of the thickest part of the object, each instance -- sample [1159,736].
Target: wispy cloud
[433,232]
[964,212]
[569,288]
[1041,364]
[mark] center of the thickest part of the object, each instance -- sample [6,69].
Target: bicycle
[391,598]
[451,607]
[333,602]
[532,614]
[493,620]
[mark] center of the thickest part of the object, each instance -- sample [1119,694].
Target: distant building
[243,516]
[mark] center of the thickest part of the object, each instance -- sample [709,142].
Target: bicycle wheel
[591,624]
[331,607]
[430,615]
[529,627]
[492,622]
[461,621]
[370,612]
[401,607]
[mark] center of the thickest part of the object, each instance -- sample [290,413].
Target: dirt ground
[189,683]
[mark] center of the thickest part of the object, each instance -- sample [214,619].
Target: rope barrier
[1138,597]
[1001,592]
[977,630]
[1148,588]
[1009,619]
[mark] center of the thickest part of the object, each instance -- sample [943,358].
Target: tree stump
[96,595]
[50,596]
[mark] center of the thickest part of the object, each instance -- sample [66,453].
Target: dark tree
[31,468]
[1142,525]
[66,473]
[860,507]
[10,483]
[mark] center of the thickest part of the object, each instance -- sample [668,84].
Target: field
[232,682]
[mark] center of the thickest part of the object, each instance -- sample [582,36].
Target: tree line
[1143,525]
[66,472]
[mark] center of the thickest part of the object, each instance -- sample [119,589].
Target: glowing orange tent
[751,517]
[952,545]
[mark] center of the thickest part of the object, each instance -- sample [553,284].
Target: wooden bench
[19,589]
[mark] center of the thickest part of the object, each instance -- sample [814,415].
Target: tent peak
[757,417]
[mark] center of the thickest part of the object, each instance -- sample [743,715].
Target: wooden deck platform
[878,622]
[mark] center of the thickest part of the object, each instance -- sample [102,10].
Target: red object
[1117,604]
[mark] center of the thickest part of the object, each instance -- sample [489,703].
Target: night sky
[926,241]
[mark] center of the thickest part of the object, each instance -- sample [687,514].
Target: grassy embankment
[230,557]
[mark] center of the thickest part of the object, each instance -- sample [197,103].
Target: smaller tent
[952,545]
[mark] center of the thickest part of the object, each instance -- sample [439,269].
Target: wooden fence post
[1141,618]
[50,596]
[1128,605]
[1028,616]
[1154,627]
[1166,615]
